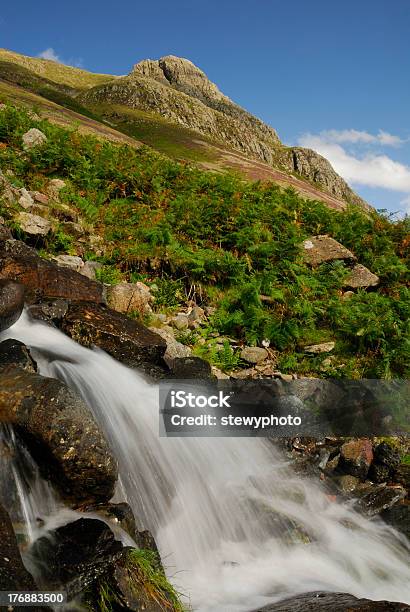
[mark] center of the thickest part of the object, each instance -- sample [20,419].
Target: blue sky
[330,75]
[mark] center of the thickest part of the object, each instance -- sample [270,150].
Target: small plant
[109,275]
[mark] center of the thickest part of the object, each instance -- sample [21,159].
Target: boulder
[33,138]
[336,602]
[39,197]
[13,574]
[89,269]
[11,302]
[42,278]
[398,517]
[61,434]
[317,349]
[254,354]
[33,225]
[26,200]
[180,322]
[175,349]
[15,353]
[380,498]
[187,368]
[50,312]
[123,338]
[130,297]
[360,277]
[321,249]
[356,457]
[69,261]
[385,454]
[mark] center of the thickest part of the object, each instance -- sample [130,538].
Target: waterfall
[236,527]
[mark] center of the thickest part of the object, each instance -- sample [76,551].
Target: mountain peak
[181,74]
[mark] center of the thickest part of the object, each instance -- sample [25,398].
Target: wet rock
[118,514]
[347,483]
[130,297]
[379,499]
[11,303]
[44,279]
[69,261]
[14,353]
[60,433]
[123,338]
[317,349]
[33,138]
[356,457]
[336,602]
[254,354]
[378,473]
[33,225]
[13,574]
[385,454]
[50,312]
[186,368]
[321,249]
[398,517]
[75,555]
[360,277]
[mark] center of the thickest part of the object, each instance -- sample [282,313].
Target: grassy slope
[224,242]
[60,84]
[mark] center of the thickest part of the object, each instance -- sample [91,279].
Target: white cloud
[361,137]
[50,54]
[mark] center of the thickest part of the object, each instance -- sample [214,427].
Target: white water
[214,505]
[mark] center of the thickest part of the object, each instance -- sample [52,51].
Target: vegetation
[226,242]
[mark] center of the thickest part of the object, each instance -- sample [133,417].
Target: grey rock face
[321,249]
[33,138]
[33,225]
[11,303]
[361,278]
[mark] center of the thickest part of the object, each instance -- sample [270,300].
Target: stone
[175,349]
[5,233]
[13,574]
[380,498]
[73,228]
[347,295]
[398,517]
[323,601]
[219,374]
[33,225]
[347,483]
[11,302]
[54,187]
[130,297]
[360,277]
[197,314]
[386,455]
[43,279]
[378,473]
[39,197]
[74,556]
[33,138]
[356,457]
[186,368]
[90,268]
[254,354]
[321,249]
[317,349]
[123,338]
[180,322]
[50,312]
[402,475]
[25,200]
[14,353]
[69,261]
[61,434]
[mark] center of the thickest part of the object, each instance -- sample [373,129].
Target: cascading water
[236,527]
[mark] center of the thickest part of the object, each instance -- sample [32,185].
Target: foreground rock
[61,434]
[123,338]
[321,249]
[13,574]
[44,279]
[336,602]
[11,303]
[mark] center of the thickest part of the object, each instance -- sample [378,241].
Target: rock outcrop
[11,302]
[61,434]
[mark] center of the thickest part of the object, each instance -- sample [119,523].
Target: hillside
[172,106]
[251,277]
